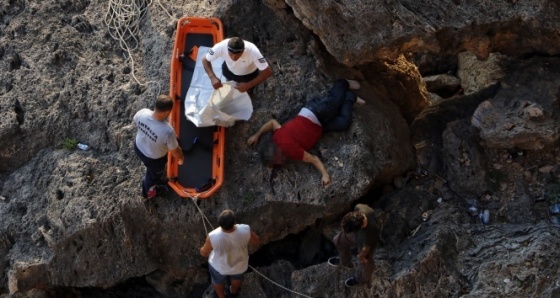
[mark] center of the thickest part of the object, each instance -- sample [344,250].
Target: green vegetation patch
[69,144]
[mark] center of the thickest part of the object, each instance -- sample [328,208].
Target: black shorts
[230,76]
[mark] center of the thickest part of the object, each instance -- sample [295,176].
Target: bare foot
[353,85]
[360,101]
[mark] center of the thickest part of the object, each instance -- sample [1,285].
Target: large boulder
[357,32]
[476,74]
[523,115]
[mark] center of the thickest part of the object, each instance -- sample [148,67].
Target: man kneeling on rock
[297,136]
[359,229]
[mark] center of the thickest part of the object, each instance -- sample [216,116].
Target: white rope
[167,12]
[203,217]
[277,284]
[194,199]
[123,21]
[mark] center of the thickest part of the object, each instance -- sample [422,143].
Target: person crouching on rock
[293,139]
[227,252]
[243,64]
[359,229]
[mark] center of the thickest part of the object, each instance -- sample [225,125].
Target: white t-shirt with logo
[250,60]
[230,254]
[154,138]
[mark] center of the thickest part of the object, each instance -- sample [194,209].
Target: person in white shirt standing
[243,64]
[155,137]
[227,250]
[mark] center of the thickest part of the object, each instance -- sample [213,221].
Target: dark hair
[164,103]
[236,45]
[226,220]
[271,155]
[352,221]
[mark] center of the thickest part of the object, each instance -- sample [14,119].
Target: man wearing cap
[243,64]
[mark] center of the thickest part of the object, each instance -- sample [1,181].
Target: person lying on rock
[293,139]
[243,64]
[154,138]
[228,254]
[359,229]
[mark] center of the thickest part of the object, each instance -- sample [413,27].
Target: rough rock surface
[444,85]
[357,32]
[74,224]
[523,115]
[476,74]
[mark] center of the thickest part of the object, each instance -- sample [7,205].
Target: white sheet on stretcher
[205,106]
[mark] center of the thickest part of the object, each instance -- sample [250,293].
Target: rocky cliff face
[479,134]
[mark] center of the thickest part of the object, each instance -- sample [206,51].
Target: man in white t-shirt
[227,252]
[154,138]
[243,64]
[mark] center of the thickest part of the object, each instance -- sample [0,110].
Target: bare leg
[367,270]
[353,84]
[219,290]
[344,243]
[360,101]
[235,285]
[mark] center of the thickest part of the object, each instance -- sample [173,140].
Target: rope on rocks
[202,215]
[123,21]
[167,12]
[279,285]
[195,199]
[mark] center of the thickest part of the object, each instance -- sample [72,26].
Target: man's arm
[216,83]
[364,252]
[206,248]
[263,75]
[254,240]
[271,125]
[178,154]
[312,159]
